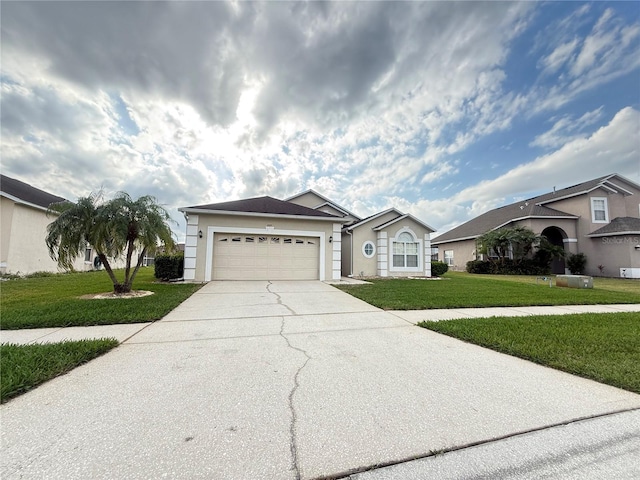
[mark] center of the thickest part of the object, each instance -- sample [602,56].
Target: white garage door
[260,257]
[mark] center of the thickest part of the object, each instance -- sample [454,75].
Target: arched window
[405,251]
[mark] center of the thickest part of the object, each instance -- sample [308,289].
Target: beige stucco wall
[23,248]
[463,252]
[382,240]
[199,251]
[617,254]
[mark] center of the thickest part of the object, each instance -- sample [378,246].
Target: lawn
[55,301]
[603,347]
[23,367]
[459,290]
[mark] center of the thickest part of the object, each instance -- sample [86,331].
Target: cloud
[566,129]
[613,148]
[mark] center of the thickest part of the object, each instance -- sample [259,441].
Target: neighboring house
[599,218]
[305,237]
[23,230]
[24,220]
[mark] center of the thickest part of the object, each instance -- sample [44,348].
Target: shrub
[576,263]
[479,266]
[526,266]
[438,269]
[168,267]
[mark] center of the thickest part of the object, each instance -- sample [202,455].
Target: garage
[265,257]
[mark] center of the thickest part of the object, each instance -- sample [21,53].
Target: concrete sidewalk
[283,380]
[123,332]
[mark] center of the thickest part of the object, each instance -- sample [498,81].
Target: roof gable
[402,217]
[322,201]
[613,183]
[373,217]
[26,194]
[262,205]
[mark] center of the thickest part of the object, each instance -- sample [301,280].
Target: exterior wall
[23,248]
[199,251]
[346,254]
[617,255]
[363,266]
[463,252]
[380,263]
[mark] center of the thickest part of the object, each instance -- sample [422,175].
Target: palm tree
[119,226]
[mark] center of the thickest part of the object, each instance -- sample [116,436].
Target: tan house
[24,221]
[305,237]
[599,218]
[23,229]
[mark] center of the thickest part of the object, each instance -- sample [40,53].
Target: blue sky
[441,109]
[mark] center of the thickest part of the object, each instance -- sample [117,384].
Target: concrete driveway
[282,380]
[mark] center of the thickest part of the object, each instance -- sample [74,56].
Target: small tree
[119,226]
[516,242]
[576,263]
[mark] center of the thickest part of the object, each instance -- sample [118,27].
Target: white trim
[383,258]
[29,204]
[593,211]
[569,240]
[417,268]
[332,218]
[211,231]
[373,217]
[364,244]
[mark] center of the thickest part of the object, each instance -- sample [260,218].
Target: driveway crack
[279,298]
[293,443]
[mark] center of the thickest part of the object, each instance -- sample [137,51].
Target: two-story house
[599,218]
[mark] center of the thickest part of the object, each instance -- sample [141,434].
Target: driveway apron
[281,380]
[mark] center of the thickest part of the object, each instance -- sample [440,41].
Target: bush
[526,266]
[438,269]
[576,263]
[168,267]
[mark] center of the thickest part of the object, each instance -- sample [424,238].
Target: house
[24,221]
[599,218]
[305,237]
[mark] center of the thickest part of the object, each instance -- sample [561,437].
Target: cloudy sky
[441,109]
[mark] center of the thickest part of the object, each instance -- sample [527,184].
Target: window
[599,213]
[262,239]
[236,239]
[87,254]
[288,240]
[368,249]
[448,257]
[248,239]
[275,239]
[299,241]
[405,251]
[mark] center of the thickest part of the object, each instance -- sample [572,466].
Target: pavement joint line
[256,317]
[44,336]
[347,474]
[135,333]
[293,445]
[269,334]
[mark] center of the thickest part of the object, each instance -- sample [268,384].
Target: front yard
[460,290]
[55,301]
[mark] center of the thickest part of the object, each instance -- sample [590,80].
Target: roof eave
[25,203]
[460,239]
[613,234]
[202,211]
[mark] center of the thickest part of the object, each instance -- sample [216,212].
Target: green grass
[459,290]
[604,347]
[55,301]
[23,367]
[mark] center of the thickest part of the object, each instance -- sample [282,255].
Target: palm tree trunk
[138,265]
[117,286]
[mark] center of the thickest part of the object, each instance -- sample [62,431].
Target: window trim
[448,257]
[593,210]
[420,254]
[373,251]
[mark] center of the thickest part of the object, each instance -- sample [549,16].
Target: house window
[448,257]
[405,251]
[87,254]
[368,249]
[599,210]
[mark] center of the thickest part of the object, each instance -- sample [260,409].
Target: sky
[441,109]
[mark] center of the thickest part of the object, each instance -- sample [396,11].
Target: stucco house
[305,237]
[24,221]
[599,218]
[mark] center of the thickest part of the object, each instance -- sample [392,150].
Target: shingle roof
[27,193]
[266,205]
[618,226]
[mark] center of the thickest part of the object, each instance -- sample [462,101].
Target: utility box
[574,281]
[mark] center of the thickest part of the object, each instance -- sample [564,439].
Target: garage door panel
[267,257]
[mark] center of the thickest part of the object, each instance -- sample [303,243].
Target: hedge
[169,267]
[525,266]
[438,269]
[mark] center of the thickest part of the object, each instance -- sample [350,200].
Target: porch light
[330,239]
[200,233]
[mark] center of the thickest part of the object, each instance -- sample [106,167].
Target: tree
[514,242]
[118,227]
